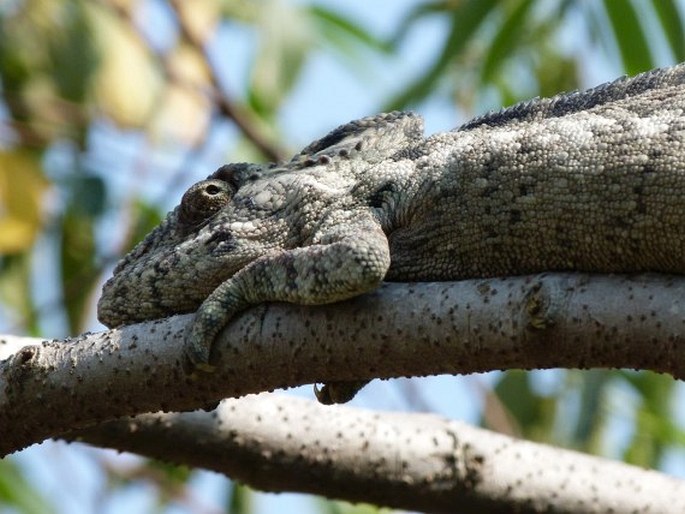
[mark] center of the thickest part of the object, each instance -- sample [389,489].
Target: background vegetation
[110,109]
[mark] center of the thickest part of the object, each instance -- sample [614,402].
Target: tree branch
[540,321]
[407,461]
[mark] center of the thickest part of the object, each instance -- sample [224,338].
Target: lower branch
[406,461]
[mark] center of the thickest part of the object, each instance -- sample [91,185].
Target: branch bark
[540,321]
[406,461]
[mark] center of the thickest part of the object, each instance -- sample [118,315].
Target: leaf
[415,14]
[341,31]
[18,494]
[240,499]
[593,385]
[631,39]
[654,429]
[72,54]
[22,188]
[504,42]
[79,271]
[47,56]
[534,415]
[285,41]
[672,24]
[466,20]
[146,218]
[87,194]
[127,85]
[15,291]
[183,112]
[200,16]
[15,64]
[343,507]
[86,199]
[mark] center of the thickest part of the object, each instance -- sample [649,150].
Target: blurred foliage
[342,507]
[240,500]
[103,114]
[18,493]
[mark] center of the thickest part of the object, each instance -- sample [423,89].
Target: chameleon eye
[203,200]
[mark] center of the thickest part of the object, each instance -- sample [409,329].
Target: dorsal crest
[576,101]
[374,139]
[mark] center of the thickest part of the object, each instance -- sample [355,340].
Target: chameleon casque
[588,181]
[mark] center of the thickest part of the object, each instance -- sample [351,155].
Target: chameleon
[589,181]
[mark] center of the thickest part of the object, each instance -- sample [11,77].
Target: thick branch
[542,321]
[407,461]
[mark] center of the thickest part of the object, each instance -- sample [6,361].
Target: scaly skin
[590,181]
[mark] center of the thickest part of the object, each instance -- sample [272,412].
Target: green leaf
[534,414]
[466,20]
[87,194]
[505,41]
[146,218]
[590,416]
[654,429]
[72,52]
[341,31]
[18,494]
[631,39]
[240,500]
[655,390]
[15,68]
[79,271]
[672,24]
[286,35]
[343,507]
[414,15]
[86,198]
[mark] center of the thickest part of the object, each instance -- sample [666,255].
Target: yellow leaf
[183,116]
[22,188]
[184,110]
[127,84]
[201,16]
[189,67]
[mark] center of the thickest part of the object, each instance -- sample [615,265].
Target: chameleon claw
[196,357]
[194,368]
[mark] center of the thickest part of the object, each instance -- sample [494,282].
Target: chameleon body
[588,181]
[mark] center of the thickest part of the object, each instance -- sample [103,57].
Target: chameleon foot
[338,392]
[196,354]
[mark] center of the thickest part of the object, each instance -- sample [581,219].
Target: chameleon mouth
[114,309]
[127,301]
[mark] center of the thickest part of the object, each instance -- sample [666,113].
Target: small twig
[216,93]
[221,100]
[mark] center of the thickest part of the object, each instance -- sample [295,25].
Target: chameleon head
[214,232]
[246,211]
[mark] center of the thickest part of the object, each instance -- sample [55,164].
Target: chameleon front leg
[349,260]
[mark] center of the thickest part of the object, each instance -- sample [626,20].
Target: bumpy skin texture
[588,181]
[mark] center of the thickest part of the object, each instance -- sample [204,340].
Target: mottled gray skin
[589,181]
